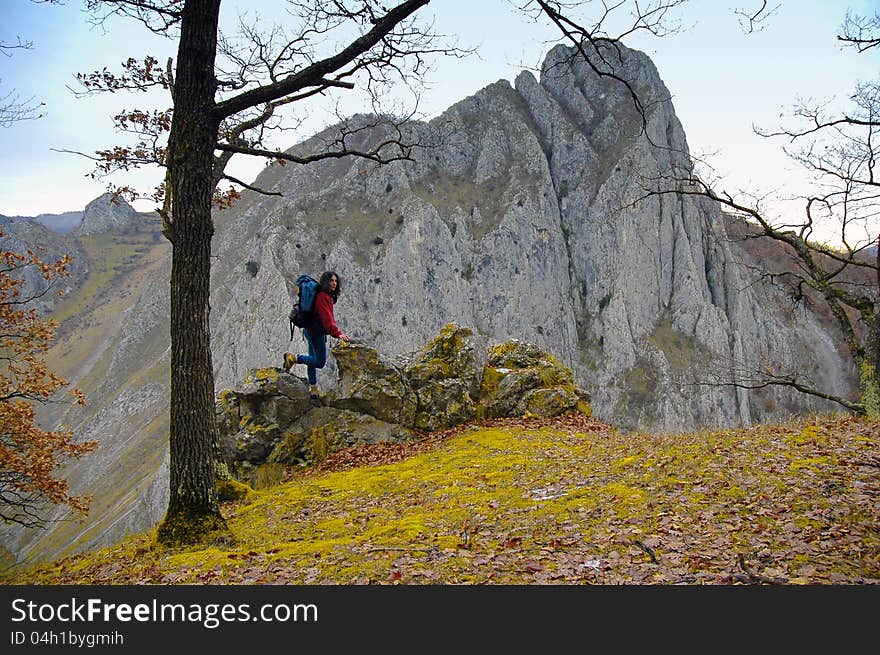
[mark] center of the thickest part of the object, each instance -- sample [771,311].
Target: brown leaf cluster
[29,455]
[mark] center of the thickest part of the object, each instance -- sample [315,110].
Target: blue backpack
[303,313]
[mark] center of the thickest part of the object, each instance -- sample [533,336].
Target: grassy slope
[120,267]
[547,501]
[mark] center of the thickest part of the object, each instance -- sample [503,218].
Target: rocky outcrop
[269,420]
[23,235]
[106,213]
[520,378]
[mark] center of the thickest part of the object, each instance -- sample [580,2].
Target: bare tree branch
[861,32]
[263,192]
[753,21]
[316,74]
[754,380]
[14,108]
[157,16]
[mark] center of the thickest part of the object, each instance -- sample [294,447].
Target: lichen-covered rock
[370,385]
[269,419]
[445,378]
[520,378]
[251,417]
[444,404]
[325,430]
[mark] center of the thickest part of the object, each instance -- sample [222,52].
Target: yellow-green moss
[231,489]
[221,470]
[809,463]
[268,475]
[584,408]
[290,443]
[436,368]
[810,435]
[270,374]
[733,492]
[185,529]
[548,402]
[225,398]
[514,493]
[499,353]
[440,357]
[257,428]
[491,379]
[319,444]
[804,522]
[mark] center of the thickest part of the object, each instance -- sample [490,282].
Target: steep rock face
[522,223]
[114,348]
[21,235]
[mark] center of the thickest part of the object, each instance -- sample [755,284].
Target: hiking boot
[313,392]
[289,360]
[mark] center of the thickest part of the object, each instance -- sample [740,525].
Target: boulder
[325,430]
[253,416]
[520,378]
[445,378]
[370,385]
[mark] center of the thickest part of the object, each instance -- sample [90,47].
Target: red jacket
[324,310]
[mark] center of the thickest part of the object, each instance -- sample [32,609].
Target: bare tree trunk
[871,390]
[869,369]
[193,508]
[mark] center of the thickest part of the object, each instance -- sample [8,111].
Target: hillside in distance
[110,274]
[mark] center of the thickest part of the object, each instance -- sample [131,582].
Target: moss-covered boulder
[370,385]
[445,377]
[328,429]
[230,489]
[520,378]
[252,417]
[269,422]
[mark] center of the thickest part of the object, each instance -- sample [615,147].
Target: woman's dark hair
[326,276]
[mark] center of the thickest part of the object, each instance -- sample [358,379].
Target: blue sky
[723,82]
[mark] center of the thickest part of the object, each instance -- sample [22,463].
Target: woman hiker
[316,334]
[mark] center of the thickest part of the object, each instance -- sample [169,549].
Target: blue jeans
[317,356]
